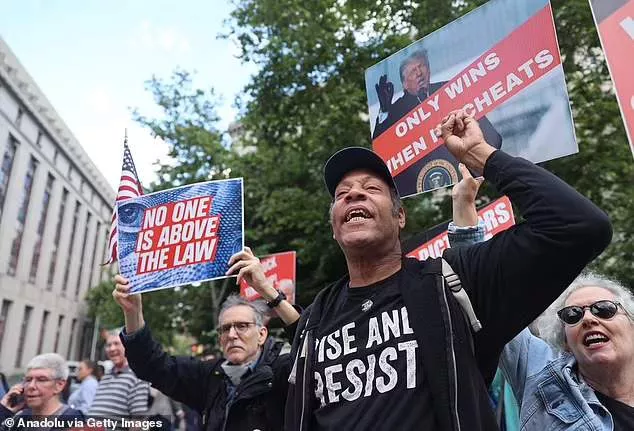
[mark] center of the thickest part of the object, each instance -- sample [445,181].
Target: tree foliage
[308,100]
[188,125]
[603,170]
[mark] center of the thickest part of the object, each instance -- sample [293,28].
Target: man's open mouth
[356,215]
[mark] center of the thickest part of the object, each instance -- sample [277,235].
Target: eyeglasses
[39,381]
[604,309]
[241,327]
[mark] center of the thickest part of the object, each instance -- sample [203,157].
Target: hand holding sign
[131,305]
[464,139]
[248,266]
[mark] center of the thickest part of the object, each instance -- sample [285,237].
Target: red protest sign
[177,234]
[615,22]
[497,216]
[279,268]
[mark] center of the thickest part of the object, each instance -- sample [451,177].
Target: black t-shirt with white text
[368,374]
[622,414]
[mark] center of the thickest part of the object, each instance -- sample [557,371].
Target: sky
[91,59]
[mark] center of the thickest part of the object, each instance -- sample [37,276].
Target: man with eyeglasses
[244,390]
[38,396]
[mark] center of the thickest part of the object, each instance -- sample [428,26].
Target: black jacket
[510,280]
[259,399]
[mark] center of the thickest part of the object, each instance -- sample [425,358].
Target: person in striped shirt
[121,394]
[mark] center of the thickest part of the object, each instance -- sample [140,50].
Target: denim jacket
[464,236]
[551,394]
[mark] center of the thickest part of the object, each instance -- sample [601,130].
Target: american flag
[129,187]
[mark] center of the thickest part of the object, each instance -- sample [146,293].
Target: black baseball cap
[350,159]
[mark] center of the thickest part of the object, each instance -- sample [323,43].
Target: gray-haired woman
[583,377]
[38,396]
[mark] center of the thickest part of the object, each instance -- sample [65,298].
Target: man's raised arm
[515,275]
[181,378]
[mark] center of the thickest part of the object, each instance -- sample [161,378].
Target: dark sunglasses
[604,309]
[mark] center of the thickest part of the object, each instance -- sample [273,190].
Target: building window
[105,254]
[43,326]
[23,330]
[5,169]
[18,118]
[69,174]
[58,331]
[4,316]
[55,155]
[38,140]
[85,342]
[71,338]
[94,253]
[82,257]
[16,245]
[70,245]
[58,232]
[35,260]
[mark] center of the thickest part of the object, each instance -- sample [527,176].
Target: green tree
[603,169]
[308,100]
[188,125]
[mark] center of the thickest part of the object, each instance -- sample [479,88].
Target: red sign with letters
[497,216]
[278,268]
[615,21]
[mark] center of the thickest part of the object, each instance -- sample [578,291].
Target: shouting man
[387,346]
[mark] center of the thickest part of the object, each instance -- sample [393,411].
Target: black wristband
[274,303]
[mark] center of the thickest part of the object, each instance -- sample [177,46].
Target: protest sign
[501,64]
[615,21]
[181,235]
[496,216]
[279,268]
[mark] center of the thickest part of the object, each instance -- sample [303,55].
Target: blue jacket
[548,389]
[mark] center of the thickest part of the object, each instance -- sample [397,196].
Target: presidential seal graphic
[436,174]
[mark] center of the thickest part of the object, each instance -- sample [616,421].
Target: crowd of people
[396,344]
[45,392]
